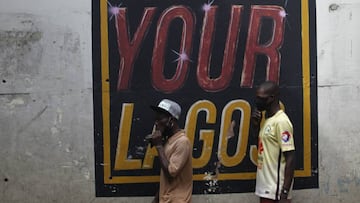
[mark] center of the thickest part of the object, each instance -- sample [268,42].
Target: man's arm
[289,172]
[255,119]
[178,159]
[164,163]
[157,142]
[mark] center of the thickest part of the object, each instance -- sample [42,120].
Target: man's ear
[171,121]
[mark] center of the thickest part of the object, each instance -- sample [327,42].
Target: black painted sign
[209,56]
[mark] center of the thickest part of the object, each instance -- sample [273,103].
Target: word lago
[206,136]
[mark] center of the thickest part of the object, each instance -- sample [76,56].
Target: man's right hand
[156,138]
[256,117]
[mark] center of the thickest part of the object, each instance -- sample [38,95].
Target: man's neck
[176,130]
[173,132]
[273,110]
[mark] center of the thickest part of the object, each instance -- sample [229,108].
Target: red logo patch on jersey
[260,146]
[285,136]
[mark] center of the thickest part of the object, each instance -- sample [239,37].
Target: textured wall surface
[338,31]
[46,112]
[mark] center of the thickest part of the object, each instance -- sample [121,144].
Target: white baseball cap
[168,106]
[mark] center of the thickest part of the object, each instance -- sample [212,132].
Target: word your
[129,48]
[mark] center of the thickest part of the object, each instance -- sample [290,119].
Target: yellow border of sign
[108,179]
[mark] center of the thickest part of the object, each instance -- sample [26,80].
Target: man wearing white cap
[175,154]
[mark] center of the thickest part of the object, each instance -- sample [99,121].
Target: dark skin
[268,92]
[165,127]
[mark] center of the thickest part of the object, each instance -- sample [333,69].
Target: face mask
[260,105]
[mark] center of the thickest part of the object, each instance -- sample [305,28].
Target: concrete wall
[46,112]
